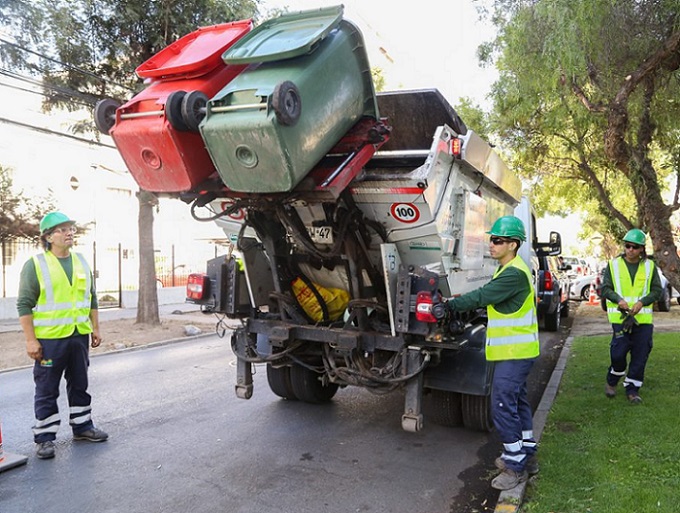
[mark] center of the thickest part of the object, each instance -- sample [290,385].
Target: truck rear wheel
[307,386]
[279,382]
[552,321]
[446,408]
[477,412]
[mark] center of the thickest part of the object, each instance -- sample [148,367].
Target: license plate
[321,234]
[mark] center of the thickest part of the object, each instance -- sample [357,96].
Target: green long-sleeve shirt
[506,292]
[29,287]
[608,291]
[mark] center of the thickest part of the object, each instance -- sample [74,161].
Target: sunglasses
[65,229]
[497,241]
[633,246]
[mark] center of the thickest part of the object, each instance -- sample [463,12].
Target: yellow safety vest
[513,336]
[62,307]
[629,290]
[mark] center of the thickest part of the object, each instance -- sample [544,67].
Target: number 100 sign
[405,212]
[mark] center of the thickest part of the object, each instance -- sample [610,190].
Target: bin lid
[196,53]
[290,35]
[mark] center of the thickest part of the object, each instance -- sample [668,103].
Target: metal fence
[115,267]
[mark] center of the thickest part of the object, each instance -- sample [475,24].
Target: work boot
[634,398]
[609,391]
[531,465]
[92,435]
[509,479]
[45,450]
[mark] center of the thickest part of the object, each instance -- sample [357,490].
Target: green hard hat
[510,227]
[53,219]
[636,236]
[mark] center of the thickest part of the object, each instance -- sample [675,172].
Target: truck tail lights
[547,280]
[197,286]
[424,303]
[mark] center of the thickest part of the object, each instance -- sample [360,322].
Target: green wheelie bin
[307,83]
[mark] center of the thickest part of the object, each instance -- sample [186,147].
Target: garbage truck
[353,216]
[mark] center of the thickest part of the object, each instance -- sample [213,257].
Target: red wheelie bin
[156,132]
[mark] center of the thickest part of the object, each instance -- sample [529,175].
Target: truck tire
[477,412]
[446,408]
[552,320]
[307,386]
[279,382]
[565,310]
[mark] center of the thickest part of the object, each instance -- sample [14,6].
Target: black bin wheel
[173,111]
[193,109]
[287,103]
[105,115]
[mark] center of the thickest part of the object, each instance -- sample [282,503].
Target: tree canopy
[19,215]
[588,100]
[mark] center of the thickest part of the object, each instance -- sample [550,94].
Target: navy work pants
[68,357]
[511,411]
[637,343]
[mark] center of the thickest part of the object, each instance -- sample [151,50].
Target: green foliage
[91,48]
[474,117]
[606,455]
[378,76]
[561,64]
[19,215]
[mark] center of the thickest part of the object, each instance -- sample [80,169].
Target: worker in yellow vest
[631,286]
[512,343]
[57,307]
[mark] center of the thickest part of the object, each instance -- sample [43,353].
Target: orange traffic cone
[592,298]
[9,460]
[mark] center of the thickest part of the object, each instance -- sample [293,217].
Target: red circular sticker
[239,215]
[405,212]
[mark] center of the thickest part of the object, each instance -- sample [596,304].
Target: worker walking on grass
[631,285]
[512,343]
[58,313]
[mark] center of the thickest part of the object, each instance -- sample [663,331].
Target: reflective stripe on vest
[629,290]
[513,336]
[62,306]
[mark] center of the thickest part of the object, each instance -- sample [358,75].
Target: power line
[74,95]
[67,66]
[54,132]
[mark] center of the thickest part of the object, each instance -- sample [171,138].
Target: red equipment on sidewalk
[9,460]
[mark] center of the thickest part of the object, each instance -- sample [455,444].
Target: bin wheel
[173,111]
[286,103]
[105,115]
[193,109]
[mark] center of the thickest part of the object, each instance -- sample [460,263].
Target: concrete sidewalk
[181,311]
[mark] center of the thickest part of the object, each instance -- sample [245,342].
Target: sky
[429,43]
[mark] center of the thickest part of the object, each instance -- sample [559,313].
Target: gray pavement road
[181,441]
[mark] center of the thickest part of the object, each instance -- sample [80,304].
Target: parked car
[575,266]
[552,292]
[580,287]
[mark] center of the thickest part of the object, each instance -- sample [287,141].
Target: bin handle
[230,108]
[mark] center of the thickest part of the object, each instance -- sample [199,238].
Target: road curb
[509,501]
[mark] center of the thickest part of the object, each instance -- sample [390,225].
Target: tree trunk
[147,304]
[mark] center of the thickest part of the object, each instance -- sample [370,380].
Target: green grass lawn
[604,455]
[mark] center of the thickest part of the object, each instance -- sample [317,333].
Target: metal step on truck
[353,217]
